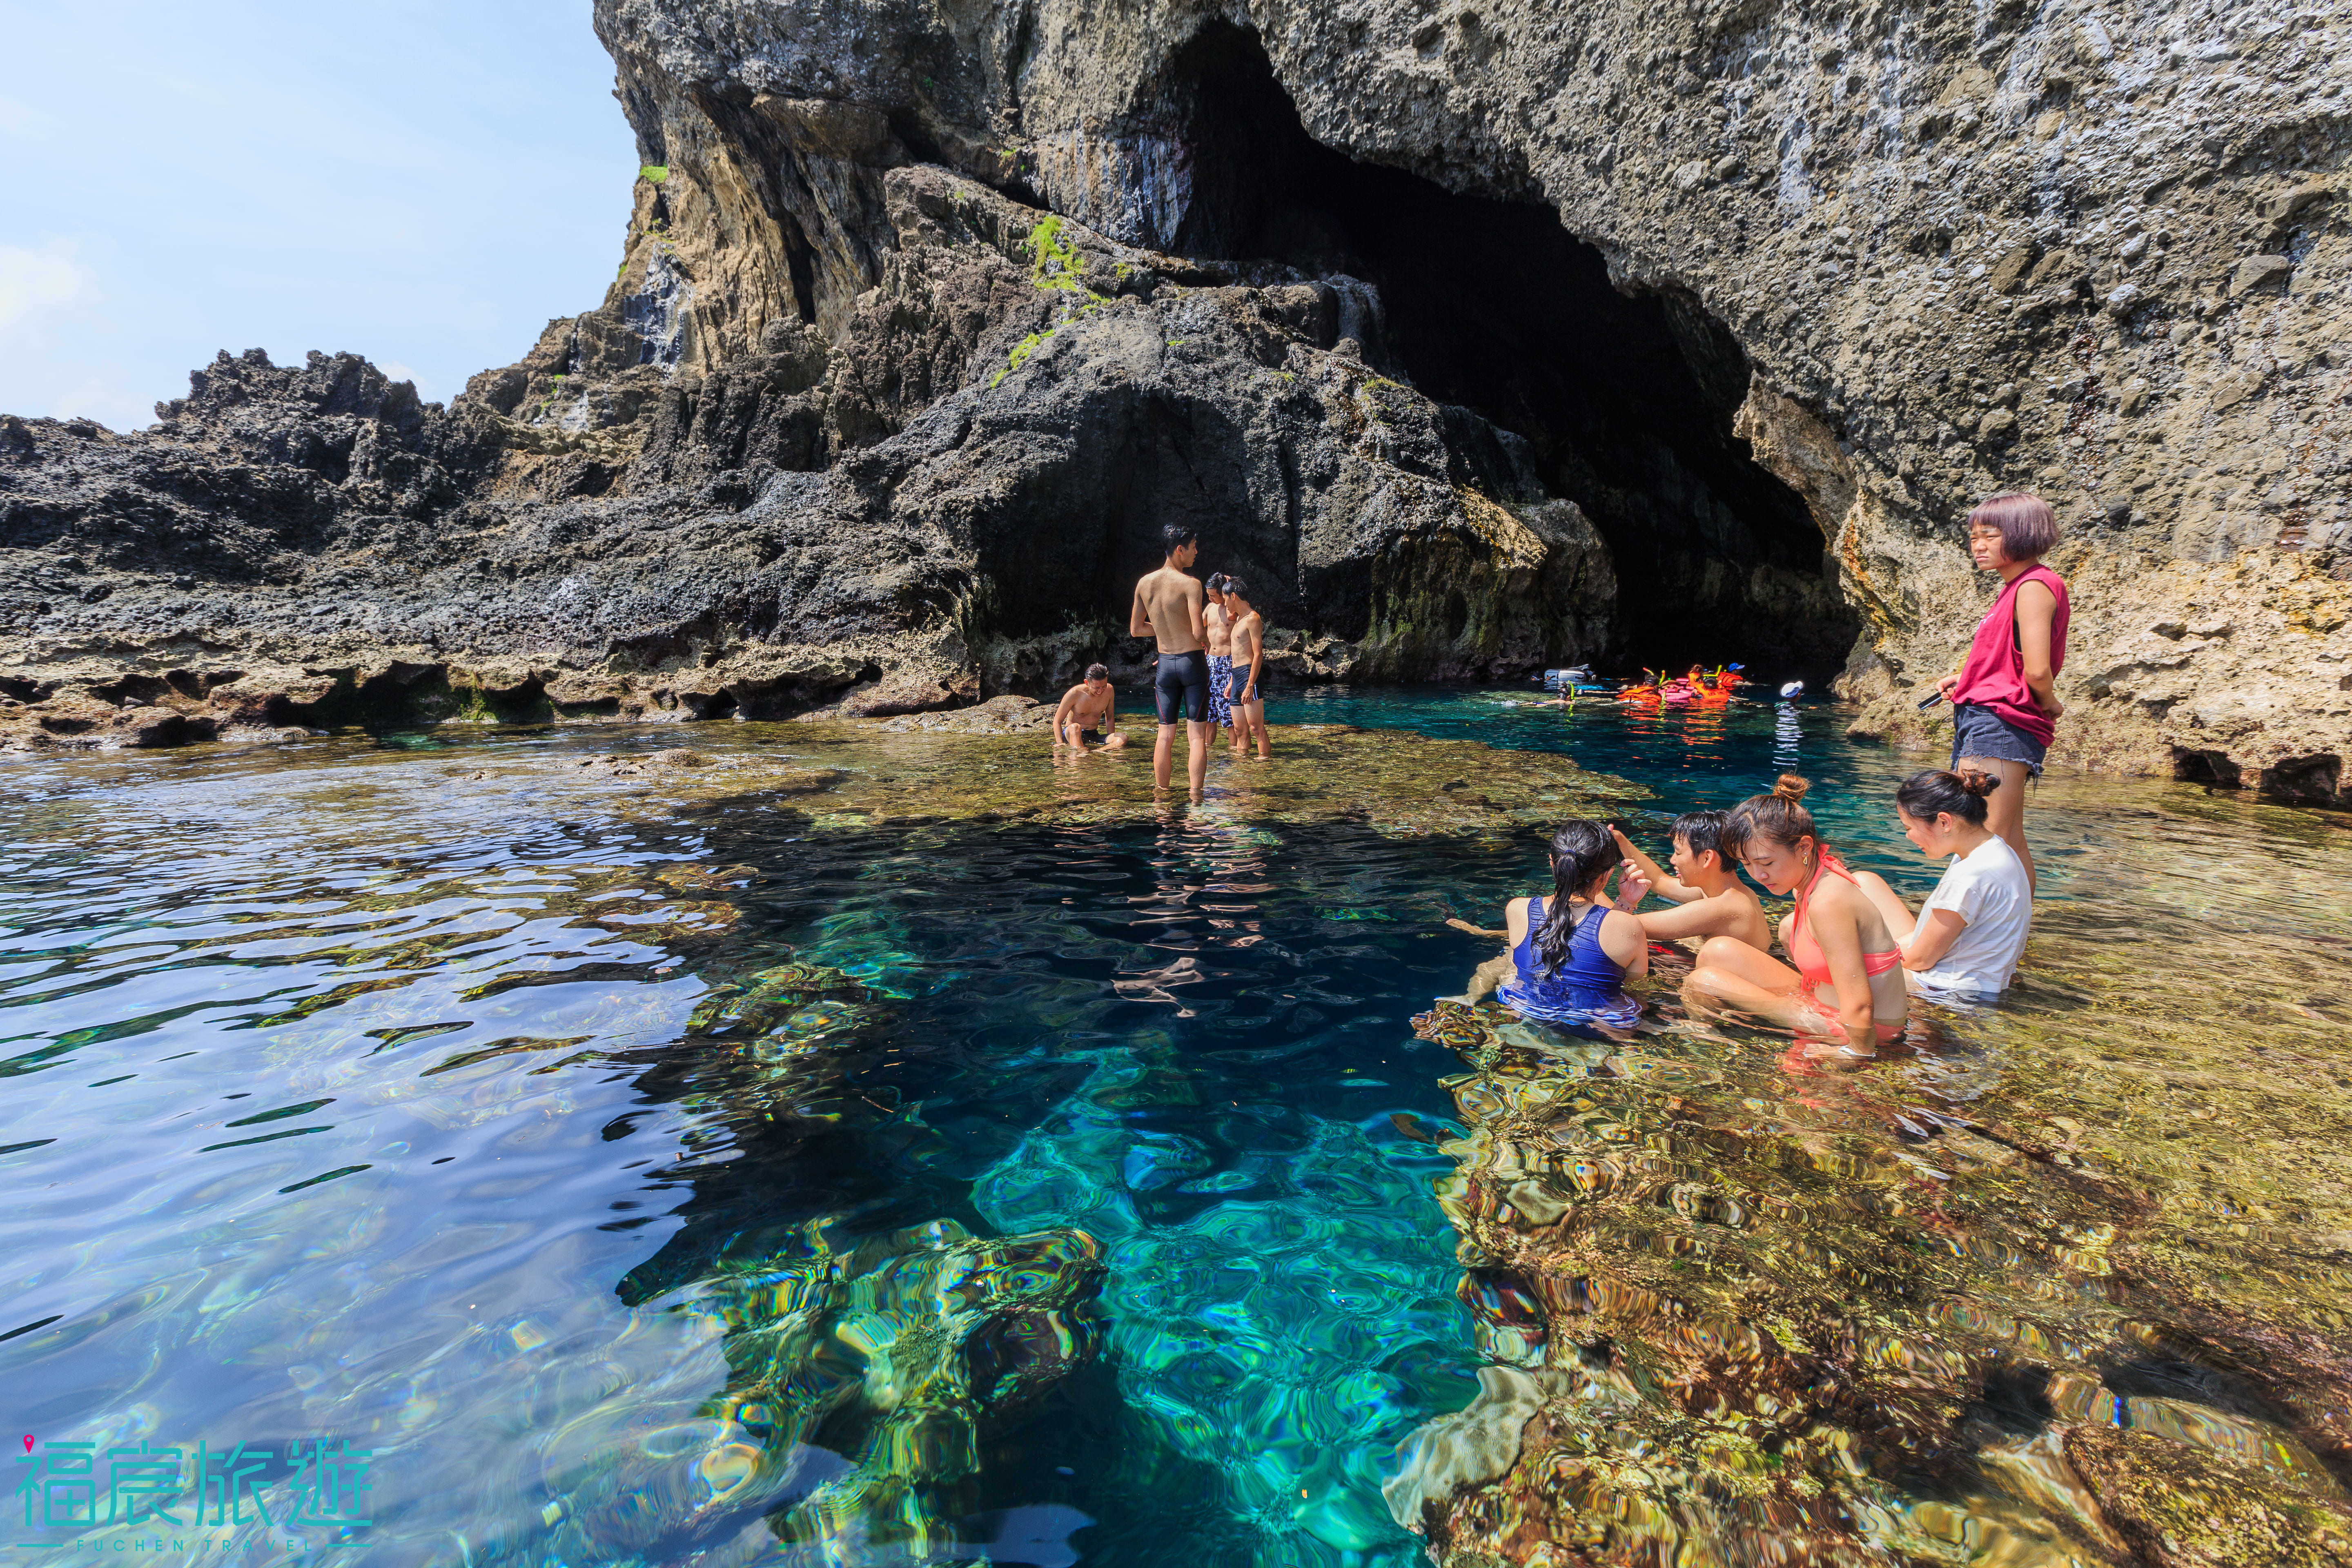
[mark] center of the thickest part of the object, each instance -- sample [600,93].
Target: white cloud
[395,371]
[48,275]
[116,407]
[25,124]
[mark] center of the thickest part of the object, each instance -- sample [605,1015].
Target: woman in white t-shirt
[1966,941]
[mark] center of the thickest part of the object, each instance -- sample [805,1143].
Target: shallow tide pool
[637,1174]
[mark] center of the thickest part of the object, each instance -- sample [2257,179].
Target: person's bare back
[1168,602]
[1167,608]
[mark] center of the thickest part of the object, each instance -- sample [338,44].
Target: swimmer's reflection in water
[1204,897]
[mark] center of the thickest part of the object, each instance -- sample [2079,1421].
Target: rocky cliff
[1477,335]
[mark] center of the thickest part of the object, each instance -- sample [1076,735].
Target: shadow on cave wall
[1628,401]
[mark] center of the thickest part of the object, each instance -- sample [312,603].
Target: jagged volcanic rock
[1479,338]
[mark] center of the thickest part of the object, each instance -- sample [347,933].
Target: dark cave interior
[1627,401]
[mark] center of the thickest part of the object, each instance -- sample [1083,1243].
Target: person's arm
[1111,714]
[1708,917]
[1139,625]
[1257,656]
[1933,938]
[1838,930]
[2037,613]
[1661,883]
[1459,924]
[1061,717]
[1192,609]
[1621,938]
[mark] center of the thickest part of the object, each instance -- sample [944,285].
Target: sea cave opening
[1627,400]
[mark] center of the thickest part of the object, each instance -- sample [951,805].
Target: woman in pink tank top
[2004,710]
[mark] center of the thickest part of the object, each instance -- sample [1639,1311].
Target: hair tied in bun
[1926,795]
[1779,817]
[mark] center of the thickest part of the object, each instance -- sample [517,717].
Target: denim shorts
[1979,732]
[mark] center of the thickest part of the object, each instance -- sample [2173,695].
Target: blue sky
[426,183]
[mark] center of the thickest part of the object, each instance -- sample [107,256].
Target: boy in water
[1088,711]
[1713,901]
[1249,653]
[1167,609]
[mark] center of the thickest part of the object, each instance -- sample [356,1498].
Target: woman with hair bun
[1847,978]
[2004,712]
[1968,935]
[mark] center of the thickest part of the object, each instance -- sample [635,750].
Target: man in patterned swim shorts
[1217,621]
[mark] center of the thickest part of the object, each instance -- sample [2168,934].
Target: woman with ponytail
[1848,976]
[1570,952]
[1969,933]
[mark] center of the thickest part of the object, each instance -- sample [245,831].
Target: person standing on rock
[1249,645]
[1218,621]
[2003,710]
[1167,609]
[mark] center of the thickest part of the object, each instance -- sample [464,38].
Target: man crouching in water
[1087,713]
[1167,610]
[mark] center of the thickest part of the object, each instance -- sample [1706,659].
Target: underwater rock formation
[1737,1313]
[1479,339]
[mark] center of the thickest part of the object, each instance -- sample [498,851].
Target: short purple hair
[2028,529]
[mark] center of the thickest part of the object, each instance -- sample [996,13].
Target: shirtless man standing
[1249,653]
[1217,621]
[1086,715]
[1167,609]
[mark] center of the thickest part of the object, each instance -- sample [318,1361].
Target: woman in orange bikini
[1848,979]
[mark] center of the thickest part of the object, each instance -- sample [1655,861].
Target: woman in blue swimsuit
[1570,953]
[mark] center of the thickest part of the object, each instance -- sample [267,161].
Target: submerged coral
[1747,1313]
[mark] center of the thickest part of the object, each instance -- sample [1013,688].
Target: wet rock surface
[1740,1306]
[974,765]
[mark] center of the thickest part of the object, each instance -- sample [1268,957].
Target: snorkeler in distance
[1088,713]
[1847,977]
[1970,934]
[1167,609]
[1571,952]
[1711,899]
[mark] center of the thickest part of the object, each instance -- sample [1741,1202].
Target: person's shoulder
[1996,856]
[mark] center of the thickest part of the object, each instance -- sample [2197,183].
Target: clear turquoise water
[337,1103]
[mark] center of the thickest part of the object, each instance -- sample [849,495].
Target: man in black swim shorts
[1167,609]
[1088,711]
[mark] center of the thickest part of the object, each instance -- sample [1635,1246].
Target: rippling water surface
[635,1178]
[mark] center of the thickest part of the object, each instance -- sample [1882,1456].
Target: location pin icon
[28,1442]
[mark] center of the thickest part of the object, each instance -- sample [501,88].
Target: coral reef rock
[1474,338]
